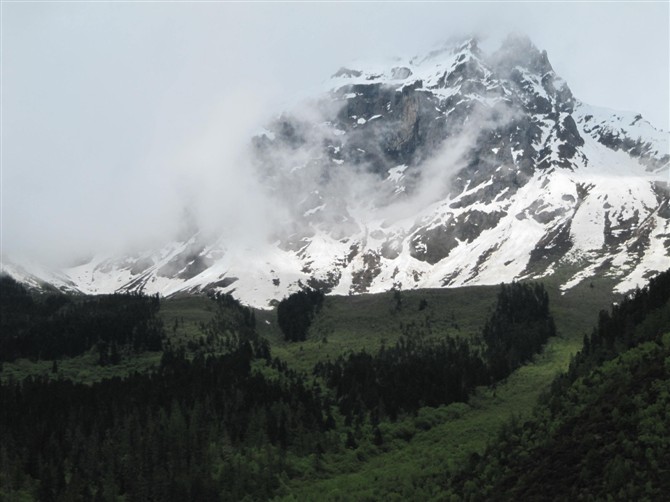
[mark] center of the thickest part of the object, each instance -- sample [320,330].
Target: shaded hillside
[603,429]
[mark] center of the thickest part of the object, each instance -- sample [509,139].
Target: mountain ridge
[448,170]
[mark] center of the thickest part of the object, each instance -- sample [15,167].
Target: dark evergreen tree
[295,313]
[405,377]
[518,327]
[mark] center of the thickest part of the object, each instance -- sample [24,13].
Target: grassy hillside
[410,458]
[182,319]
[421,450]
[417,449]
[344,324]
[602,432]
[353,323]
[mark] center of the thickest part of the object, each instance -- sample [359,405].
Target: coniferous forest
[602,432]
[221,416]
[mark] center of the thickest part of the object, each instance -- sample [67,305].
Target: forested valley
[223,411]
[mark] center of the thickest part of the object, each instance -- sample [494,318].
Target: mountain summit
[455,168]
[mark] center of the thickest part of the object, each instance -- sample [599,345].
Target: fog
[122,123]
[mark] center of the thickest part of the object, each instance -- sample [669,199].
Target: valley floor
[417,452]
[409,466]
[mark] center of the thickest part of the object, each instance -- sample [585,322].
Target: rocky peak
[466,68]
[457,168]
[467,45]
[519,51]
[521,62]
[470,45]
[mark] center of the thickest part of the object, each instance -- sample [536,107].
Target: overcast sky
[115,114]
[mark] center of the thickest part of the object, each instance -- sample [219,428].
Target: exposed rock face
[433,244]
[627,132]
[451,169]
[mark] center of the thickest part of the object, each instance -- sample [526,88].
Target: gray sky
[115,115]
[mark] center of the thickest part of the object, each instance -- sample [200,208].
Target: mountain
[455,168]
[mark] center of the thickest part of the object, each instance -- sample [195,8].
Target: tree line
[217,427]
[53,326]
[233,422]
[640,317]
[601,432]
[403,378]
[416,372]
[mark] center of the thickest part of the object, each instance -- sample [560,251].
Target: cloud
[118,116]
[213,175]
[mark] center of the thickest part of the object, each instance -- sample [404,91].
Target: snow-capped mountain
[457,168]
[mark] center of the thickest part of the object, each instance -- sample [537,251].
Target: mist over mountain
[456,167]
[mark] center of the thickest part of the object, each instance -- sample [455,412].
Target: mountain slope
[452,169]
[601,432]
